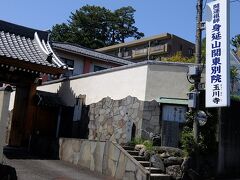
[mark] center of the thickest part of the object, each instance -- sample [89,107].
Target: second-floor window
[68,62]
[190,51]
[98,68]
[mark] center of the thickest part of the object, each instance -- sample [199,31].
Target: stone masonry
[116,119]
[107,158]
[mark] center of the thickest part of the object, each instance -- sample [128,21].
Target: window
[98,68]
[68,62]
[119,54]
[190,51]
[181,47]
[126,52]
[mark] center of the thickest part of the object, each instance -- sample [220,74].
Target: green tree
[95,27]
[233,77]
[235,41]
[62,33]
[124,24]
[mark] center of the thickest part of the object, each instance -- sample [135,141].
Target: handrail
[129,156]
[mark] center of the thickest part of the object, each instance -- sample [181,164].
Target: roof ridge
[80,46]
[22,30]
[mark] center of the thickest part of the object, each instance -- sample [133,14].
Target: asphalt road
[52,170]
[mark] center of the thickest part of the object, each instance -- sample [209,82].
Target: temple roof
[25,45]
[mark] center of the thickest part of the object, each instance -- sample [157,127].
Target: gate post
[5,93]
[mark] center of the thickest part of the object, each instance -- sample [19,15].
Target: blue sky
[152,16]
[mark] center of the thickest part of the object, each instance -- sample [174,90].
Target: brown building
[151,48]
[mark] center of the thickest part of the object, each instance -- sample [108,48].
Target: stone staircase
[155,173]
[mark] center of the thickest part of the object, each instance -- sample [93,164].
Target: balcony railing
[158,49]
[152,51]
[139,52]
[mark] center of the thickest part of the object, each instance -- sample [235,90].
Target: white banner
[217,54]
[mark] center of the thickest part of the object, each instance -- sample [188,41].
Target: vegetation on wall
[178,57]
[235,98]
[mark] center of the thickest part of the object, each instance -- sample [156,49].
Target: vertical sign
[217,54]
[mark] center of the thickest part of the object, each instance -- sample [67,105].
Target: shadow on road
[23,153]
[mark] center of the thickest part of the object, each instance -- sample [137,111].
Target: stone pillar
[4,104]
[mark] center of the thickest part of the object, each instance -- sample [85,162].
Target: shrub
[148,144]
[187,141]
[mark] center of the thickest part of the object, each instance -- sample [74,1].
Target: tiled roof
[26,44]
[89,52]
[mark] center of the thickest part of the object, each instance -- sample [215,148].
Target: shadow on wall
[80,128]
[67,94]
[79,118]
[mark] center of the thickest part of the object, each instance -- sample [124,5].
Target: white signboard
[217,54]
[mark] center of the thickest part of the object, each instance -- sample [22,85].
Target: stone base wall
[151,122]
[107,158]
[114,119]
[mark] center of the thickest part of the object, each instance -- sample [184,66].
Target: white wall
[116,84]
[146,81]
[167,80]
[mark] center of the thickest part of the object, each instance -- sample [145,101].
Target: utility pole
[199,32]
[198,56]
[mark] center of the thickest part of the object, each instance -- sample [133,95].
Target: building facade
[128,101]
[151,48]
[81,60]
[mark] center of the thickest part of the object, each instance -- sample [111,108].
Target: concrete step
[154,170]
[139,158]
[144,163]
[132,152]
[131,148]
[156,176]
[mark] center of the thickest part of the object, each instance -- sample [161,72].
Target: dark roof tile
[26,44]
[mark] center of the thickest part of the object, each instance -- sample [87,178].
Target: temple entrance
[25,56]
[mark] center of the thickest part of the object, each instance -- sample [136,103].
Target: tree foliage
[233,77]
[95,27]
[207,134]
[235,41]
[178,57]
[124,24]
